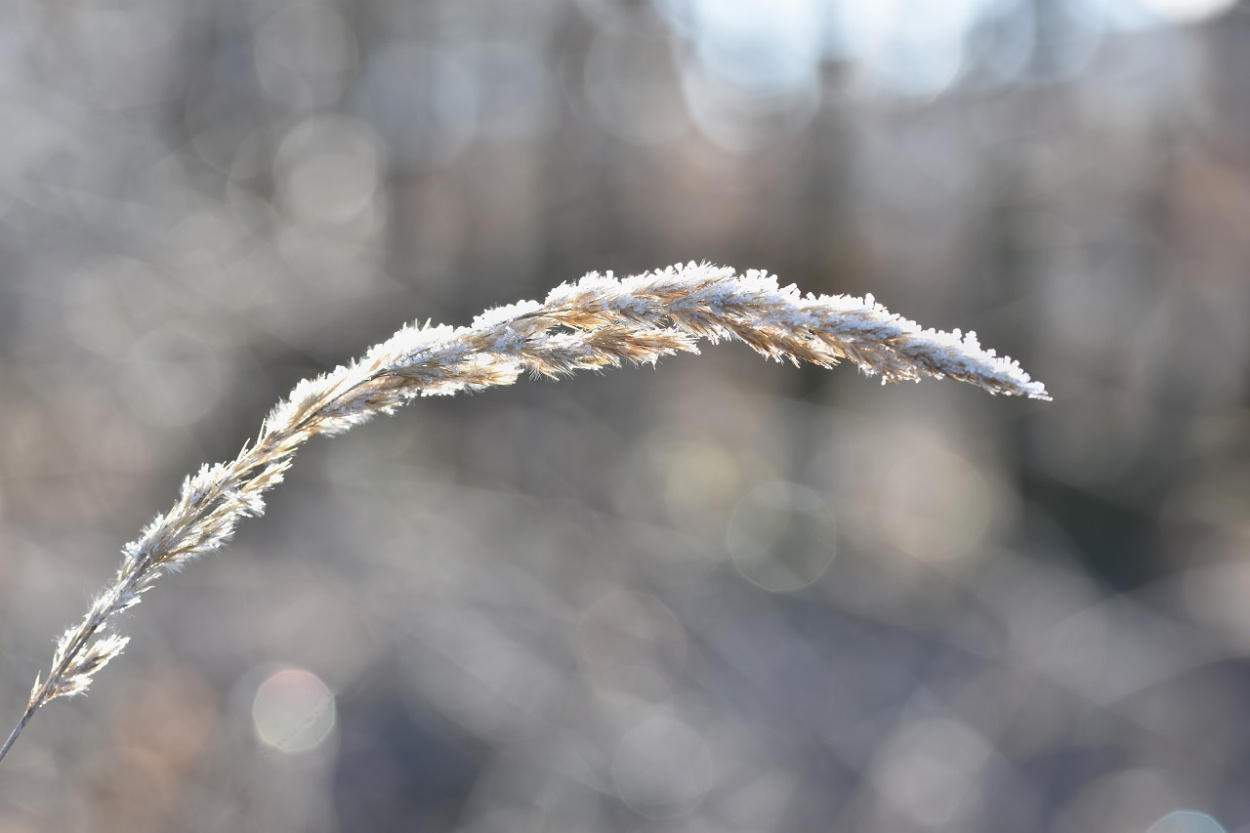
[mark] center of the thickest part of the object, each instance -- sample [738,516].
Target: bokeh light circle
[293,711]
[662,768]
[329,170]
[1187,11]
[172,377]
[762,47]
[781,536]
[1186,821]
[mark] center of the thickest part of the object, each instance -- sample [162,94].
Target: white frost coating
[594,323]
[499,314]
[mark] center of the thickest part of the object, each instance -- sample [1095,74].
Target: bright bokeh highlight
[1186,821]
[293,711]
[781,536]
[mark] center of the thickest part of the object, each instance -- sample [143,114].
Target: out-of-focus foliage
[717,596]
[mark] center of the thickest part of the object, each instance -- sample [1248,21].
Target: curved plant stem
[596,323]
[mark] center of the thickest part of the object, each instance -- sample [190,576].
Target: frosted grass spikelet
[594,323]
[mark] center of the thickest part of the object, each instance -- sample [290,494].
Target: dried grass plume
[596,323]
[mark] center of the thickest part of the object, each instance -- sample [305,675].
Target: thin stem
[39,699]
[17,730]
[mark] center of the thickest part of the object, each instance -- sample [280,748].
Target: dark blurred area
[720,595]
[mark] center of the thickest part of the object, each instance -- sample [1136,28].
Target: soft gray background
[720,595]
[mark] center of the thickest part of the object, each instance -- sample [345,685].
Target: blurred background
[720,595]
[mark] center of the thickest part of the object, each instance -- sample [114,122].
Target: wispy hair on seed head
[598,322]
